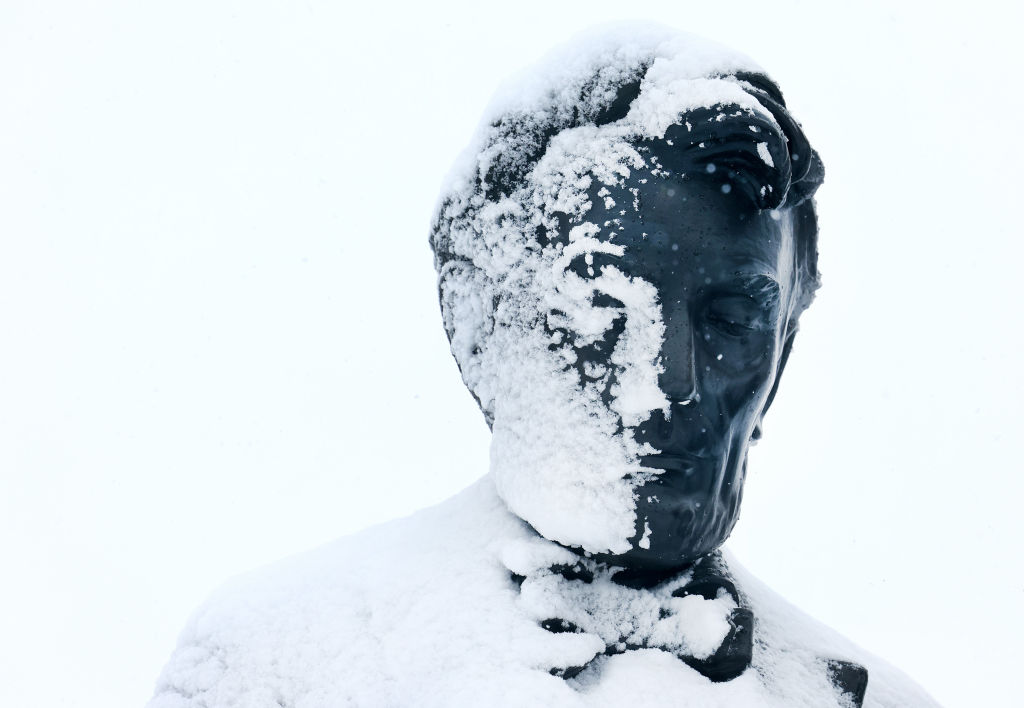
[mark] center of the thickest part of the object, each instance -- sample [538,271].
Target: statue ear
[787,346]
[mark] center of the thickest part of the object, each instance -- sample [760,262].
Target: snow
[615,613]
[424,611]
[645,539]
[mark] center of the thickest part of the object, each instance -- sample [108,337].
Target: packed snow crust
[424,612]
[519,210]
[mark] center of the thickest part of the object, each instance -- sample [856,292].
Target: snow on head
[528,208]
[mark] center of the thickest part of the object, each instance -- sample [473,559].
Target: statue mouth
[672,461]
[683,478]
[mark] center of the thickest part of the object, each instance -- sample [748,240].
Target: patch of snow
[645,540]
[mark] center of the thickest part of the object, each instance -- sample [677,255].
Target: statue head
[622,261]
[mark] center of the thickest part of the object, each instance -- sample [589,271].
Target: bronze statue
[623,256]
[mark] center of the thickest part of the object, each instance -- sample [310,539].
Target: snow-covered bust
[623,255]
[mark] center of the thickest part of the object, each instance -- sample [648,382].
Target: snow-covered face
[620,308]
[632,358]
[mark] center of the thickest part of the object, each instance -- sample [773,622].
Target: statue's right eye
[606,300]
[580,267]
[589,265]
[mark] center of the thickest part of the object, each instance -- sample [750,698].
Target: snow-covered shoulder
[417,611]
[789,641]
[424,611]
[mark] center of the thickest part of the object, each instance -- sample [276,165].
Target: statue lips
[686,476]
[671,461]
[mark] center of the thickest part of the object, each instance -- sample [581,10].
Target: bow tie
[695,615]
[626,617]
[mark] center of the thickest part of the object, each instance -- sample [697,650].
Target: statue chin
[676,527]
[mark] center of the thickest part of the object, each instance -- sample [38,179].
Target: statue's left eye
[737,315]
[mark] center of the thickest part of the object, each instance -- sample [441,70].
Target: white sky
[220,342]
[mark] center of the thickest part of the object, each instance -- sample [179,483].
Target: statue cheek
[739,392]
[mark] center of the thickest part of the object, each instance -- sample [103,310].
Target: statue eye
[737,315]
[589,265]
[580,267]
[606,300]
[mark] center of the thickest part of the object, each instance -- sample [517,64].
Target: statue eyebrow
[759,286]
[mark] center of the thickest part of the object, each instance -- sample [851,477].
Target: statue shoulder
[792,640]
[275,616]
[332,621]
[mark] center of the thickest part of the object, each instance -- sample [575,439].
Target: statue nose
[679,378]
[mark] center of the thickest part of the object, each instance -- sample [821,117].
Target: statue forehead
[671,225]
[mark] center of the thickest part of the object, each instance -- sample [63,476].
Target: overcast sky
[220,341]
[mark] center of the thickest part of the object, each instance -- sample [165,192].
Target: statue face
[624,331]
[618,307]
[724,276]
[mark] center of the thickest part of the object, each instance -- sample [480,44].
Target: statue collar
[595,611]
